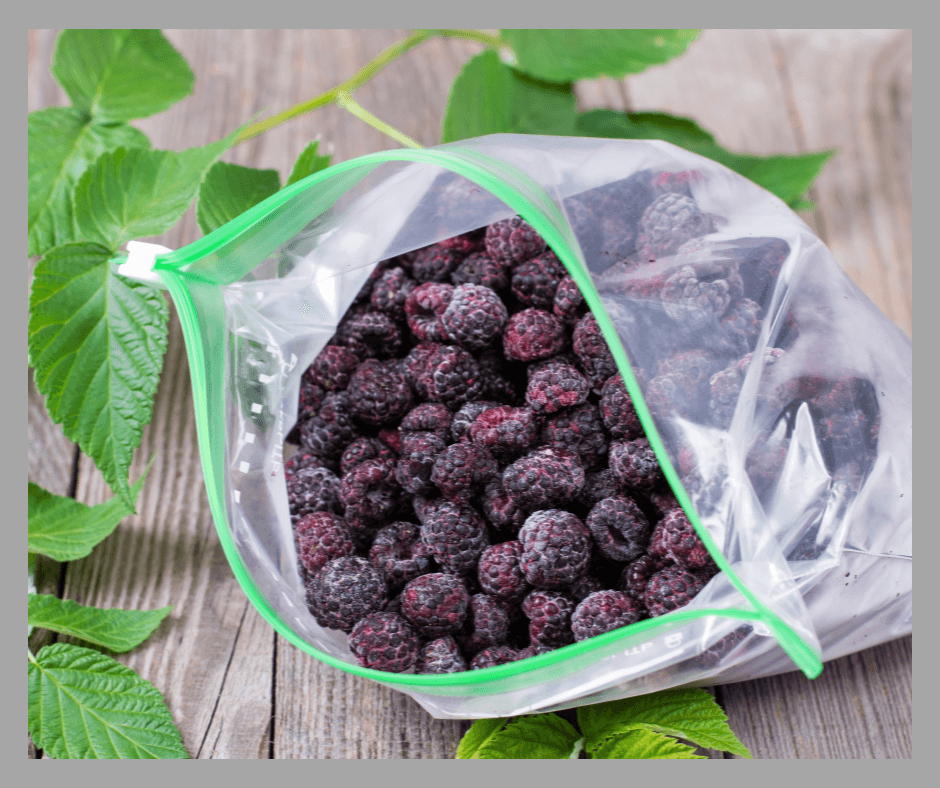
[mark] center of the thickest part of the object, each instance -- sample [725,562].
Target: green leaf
[129,194]
[479,735]
[644,744]
[690,714]
[489,97]
[117,75]
[537,736]
[84,704]
[96,341]
[229,190]
[63,143]
[65,529]
[115,629]
[569,55]
[788,177]
[308,162]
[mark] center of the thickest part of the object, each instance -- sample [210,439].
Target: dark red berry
[385,641]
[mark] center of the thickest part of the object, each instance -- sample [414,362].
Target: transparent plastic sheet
[806,510]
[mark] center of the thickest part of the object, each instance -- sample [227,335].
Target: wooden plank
[809,90]
[852,91]
[859,707]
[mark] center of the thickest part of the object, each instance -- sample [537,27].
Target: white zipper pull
[140,260]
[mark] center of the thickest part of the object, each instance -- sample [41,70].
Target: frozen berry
[512,241]
[533,334]
[569,304]
[399,552]
[474,317]
[481,269]
[487,623]
[620,530]
[331,429]
[436,604]
[694,302]
[544,478]
[556,548]
[549,614]
[420,451]
[578,430]
[370,492]
[333,367]
[592,351]
[597,486]
[682,543]
[457,536]
[370,334]
[604,611]
[385,641]
[500,573]
[617,409]
[454,377]
[321,537]
[429,417]
[467,414]
[636,575]
[535,281]
[344,591]
[312,490]
[436,263]
[363,449]
[500,509]
[377,394]
[669,222]
[493,656]
[635,464]
[423,308]
[672,588]
[556,385]
[390,291]
[461,470]
[441,655]
[505,432]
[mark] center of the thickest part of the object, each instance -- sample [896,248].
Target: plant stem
[31,657]
[347,103]
[362,76]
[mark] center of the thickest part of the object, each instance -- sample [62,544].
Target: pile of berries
[473,485]
[694,313]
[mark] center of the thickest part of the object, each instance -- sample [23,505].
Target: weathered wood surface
[237,690]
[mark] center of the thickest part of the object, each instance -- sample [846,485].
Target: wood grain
[237,690]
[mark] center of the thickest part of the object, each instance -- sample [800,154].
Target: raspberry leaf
[308,162]
[537,736]
[788,177]
[690,714]
[115,629]
[229,190]
[643,744]
[133,193]
[96,341]
[63,143]
[570,55]
[118,75]
[83,704]
[65,529]
[514,103]
[479,735]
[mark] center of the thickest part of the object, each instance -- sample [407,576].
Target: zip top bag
[613,376]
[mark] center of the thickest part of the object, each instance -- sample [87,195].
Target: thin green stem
[31,657]
[347,103]
[362,76]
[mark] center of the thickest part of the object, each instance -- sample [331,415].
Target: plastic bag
[795,468]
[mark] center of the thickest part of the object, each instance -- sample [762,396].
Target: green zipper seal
[468,164]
